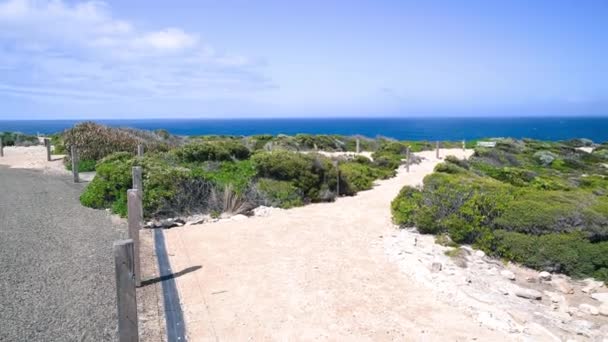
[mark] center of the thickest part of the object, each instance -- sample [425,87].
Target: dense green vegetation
[18,139]
[542,204]
[215,174]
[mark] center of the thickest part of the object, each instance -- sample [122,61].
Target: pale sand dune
[33,157]
[318,272]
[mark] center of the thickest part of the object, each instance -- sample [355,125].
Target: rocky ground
[506,297]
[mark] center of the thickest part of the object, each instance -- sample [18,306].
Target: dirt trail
[317,272]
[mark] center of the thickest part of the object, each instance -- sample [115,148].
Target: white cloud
[52,47]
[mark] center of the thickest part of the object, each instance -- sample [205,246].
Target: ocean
[544,128]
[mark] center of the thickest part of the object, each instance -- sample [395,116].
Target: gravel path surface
[57,267]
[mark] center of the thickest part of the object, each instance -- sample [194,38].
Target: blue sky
[238,58]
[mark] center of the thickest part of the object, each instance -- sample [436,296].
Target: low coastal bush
[95,141]
[276,193]
[18,139]
[212,151]
[544,217]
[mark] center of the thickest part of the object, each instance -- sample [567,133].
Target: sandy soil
[318,272]
[33,157]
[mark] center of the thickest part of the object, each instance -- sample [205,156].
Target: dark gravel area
[57,268]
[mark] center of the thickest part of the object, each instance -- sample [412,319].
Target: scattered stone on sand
[508,274]
[264,211]
[582,327]
[528,293]
[555,297]
[589,309]
[436,267]
[592,285]
[562,286]
[480,254]
[602,297]
[239,217]
[544,275]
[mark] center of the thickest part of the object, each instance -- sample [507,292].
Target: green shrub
[18,139]
[313,174]
[355,177]
[280,194]
[212,151]
[568,253]
[405,205]
[85,165]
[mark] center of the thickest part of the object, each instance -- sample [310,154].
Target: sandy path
[34,158]
[317,272]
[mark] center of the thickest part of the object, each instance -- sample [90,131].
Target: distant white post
[140,150]
[437,149]
[464,146]
[74,153]
[135,222]
[358,147]
[47,144]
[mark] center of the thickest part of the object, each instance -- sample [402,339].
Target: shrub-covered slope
[542,204]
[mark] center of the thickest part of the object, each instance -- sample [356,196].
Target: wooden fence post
[464,146]
[437,149]
[407,159]
[1,148]
[358,147]
[126,298]
[140,150]
[137,178]
[337,165]
[47,144]
[74,152]
[135,221]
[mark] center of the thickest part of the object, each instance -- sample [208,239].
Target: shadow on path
[170,276]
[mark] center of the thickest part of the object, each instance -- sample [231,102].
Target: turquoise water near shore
[545,128]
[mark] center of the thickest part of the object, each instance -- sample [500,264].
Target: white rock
[555,297]
[528,293]
[602,297]
[508,274]
[546,276]
[592,285]
[239,217]
[603,309]
[562,286]
[589,309]
[480,254]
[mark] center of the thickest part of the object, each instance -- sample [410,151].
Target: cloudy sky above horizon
[239,58]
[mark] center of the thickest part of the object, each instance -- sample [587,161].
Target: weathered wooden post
[1,148]
[337,165]
[464,146]
[140,150]
[135,222]
[407,159]
[126,298]
[137,178]
[358,147]
[74,153]
[437,149]
[47,144]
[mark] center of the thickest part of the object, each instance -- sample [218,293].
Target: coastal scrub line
[513,202]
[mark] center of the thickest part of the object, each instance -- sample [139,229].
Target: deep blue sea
[545,128]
